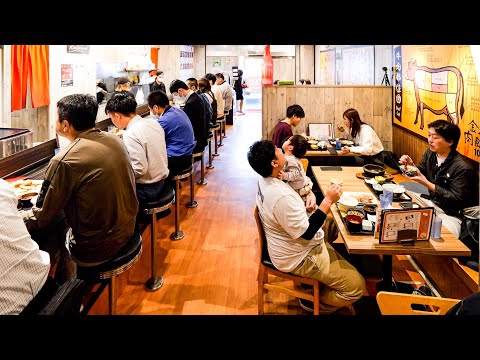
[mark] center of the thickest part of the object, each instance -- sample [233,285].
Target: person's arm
[61,188]
[137,154]
[291,172]
[460,188]
[365,142]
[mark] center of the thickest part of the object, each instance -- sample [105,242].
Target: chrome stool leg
[112,299]
[177,234]
[210,156]
[216,142]
[192,203]
[202,181]
[221,130]
[155,282]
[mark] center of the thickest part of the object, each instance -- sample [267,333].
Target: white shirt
[217,91]
[227,93]
[23,266]
[284,218]
[144,139]
[366,142]
[294,173]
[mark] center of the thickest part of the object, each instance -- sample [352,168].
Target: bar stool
[164,201]
[215,128]
[179,234]
[202,181]
[221,121]
[225,116]
[109,270]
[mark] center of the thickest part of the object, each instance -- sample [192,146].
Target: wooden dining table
[330,151]
[447,245]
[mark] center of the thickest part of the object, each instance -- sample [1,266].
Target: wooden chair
[304,163]
[267,268]
[393,303]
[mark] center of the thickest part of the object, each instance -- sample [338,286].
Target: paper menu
[399,225]
[321,131]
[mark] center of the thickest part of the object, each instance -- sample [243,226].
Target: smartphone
[409,205]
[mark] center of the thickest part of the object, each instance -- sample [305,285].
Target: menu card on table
[321,131]
[405,225]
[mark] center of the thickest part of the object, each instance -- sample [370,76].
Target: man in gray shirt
[144,139]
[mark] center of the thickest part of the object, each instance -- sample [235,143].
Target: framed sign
[78,49]
[321,131]
[405,225]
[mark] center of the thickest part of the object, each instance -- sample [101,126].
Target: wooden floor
[213,269]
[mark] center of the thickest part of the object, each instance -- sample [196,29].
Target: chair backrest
[304,163]
[392,303]
[262,241]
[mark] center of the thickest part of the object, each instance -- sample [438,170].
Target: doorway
[252,74]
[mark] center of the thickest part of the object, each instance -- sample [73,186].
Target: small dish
[354,223]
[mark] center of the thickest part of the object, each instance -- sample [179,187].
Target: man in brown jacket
[92,182]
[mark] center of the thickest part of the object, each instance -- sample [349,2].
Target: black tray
[361,232]
[403,198]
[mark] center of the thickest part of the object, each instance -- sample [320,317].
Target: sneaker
[306,305]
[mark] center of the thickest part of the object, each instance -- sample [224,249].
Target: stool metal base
[220,144]
[192,204]
[211,166]
[204,181]
[154,283]
[177,235]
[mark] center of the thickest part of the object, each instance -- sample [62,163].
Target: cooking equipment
[13,140]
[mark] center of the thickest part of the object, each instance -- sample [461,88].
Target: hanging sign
[78,49]
[67,75]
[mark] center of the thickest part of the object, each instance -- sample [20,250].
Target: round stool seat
[183,173]
[210,135]
[200,153]
[162,203]
[120,263]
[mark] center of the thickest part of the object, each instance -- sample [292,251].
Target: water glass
[338,145]
[111,128]
[437,227]
[388,196]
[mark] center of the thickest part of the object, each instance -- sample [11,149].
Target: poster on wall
[67,75]
[438,82]
[327,67]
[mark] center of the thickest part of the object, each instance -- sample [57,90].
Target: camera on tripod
[385,77]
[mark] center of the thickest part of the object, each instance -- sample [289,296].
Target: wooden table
[447,245]
[314,153]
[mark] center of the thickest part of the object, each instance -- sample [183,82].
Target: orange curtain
[154,56]
[30,62]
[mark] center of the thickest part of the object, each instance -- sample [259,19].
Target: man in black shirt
[451,181]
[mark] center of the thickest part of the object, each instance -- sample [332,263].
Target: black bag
[469,236]
[67,300]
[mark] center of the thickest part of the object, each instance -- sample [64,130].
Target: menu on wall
[186,61]
[78,49]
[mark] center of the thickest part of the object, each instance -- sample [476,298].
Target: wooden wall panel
[324,104]
[406,143]
[305,63]
[199,65]
[284,68]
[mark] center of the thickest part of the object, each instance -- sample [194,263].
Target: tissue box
[367,225]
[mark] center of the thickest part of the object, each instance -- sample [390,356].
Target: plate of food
[362,197]
[27,188]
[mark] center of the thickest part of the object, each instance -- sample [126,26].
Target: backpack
[214,107]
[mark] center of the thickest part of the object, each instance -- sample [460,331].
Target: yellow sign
[439,82]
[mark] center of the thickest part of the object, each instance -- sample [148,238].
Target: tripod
[385,78]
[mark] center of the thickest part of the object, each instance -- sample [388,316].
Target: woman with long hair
[366,141]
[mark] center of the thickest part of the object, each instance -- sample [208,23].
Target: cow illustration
[447,80]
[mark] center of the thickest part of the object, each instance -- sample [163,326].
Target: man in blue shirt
[178,129]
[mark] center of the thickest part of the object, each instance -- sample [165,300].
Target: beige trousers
[343,284]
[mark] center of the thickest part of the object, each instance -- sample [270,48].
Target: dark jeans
[42,298]
[178,163]
[149,192]
[52,240]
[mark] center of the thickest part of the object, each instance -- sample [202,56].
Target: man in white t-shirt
[295,241]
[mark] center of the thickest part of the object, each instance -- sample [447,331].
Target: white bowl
[347,202]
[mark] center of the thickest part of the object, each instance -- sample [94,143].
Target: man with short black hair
[451,181]
[96,193]
[283,130]
[296,243]
[144,139]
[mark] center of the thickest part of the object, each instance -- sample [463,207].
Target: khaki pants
[343,284]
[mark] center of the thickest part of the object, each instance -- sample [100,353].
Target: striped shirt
[23,266]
